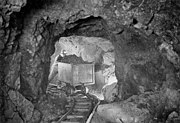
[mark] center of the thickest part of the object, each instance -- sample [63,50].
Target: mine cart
[76,74]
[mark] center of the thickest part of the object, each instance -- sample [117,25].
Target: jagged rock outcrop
[13,70]
[24,107]
[147,108]
[36,48]
[110,92]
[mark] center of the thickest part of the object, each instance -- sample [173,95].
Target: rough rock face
[138,63]
[126,113]
[36,49]
[13,70]
[23,105]
[145,35]
[146,108]
[97,119]
[141,66]
[13,5]
[110,92]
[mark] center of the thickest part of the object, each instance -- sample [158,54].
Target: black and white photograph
[89,61]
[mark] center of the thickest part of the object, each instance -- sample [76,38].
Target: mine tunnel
[82,58]
[89,61]
[83,64]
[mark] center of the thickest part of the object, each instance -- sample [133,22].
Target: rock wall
[147,107]
[145,34]
[142,65]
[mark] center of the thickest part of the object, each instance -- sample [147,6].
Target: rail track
[80,105]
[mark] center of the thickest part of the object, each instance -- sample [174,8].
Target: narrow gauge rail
[79,107]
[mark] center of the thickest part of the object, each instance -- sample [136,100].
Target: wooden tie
[79,106]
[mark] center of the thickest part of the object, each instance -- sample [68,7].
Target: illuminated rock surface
[90,50]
